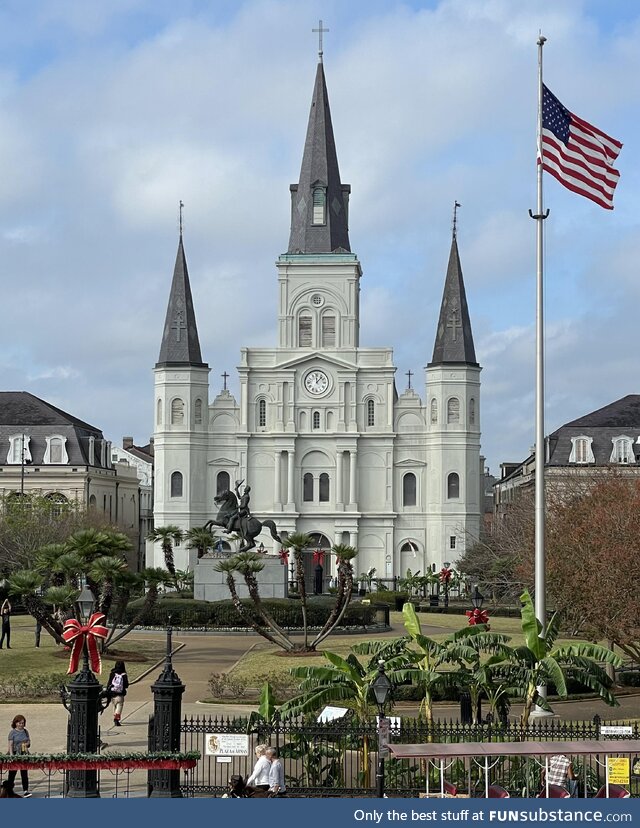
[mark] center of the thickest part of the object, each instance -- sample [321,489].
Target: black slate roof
[454,339]
[618,419]
[180,341]
[319,169]
[22,412]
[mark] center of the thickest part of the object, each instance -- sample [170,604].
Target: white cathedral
[320,433]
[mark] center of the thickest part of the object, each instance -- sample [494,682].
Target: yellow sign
[618,770]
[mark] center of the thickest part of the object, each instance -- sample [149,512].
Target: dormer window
[581,450]
[622,451]
[19,450]
[55,452]
[319,206]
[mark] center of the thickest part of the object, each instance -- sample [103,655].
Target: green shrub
[387,596]
[629,678]
[32,686]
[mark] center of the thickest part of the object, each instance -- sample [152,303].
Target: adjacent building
[45,450]
[319,430]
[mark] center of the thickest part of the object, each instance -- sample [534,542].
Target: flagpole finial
[541,39]
[454,224]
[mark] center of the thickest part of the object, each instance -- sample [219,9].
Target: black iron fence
[338,758]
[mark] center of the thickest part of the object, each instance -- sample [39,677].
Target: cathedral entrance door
[318,542]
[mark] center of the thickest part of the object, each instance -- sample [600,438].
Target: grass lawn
[24,658]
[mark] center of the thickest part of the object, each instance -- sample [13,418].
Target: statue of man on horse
[234,515]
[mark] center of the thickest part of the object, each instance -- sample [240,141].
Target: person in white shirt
[260,777]
[277,785]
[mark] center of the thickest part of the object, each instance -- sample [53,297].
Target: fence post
[164,726]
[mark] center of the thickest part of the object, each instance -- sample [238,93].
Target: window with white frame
[434,411]
[453,410]
[305,331]
[177,411]
[176,484]
[323,488]
[472,411]
[371,413]
[159,412]
[453,486]
[307,488]
[409,489]
[328,331]
[452,541]
[262,413]
[622,450]
[315,420]
[197,412]
[581,450]
[19,450]
[56,452]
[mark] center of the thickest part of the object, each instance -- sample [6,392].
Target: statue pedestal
[211,585]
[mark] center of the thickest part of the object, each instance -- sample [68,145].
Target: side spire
[319,201]
[180,341]
[454,339]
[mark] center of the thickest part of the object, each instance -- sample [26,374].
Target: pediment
[400,464]
[322,356]
[222,461]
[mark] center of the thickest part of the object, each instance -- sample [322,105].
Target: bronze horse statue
[247,526]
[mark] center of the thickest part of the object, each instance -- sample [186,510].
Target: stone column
[290,473]
[339,473]
[276,479]
[352,478]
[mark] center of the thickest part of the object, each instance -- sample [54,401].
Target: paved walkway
[201,655]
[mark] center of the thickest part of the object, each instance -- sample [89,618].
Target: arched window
[316,419]
[177,411]
[176,484]
[197,412]
[159,412]
[328,331]
[223,482]
[453,410]
[453,486]
[622,450]
[55,451]
[434,410]
[371,413]
[307,487]
[581,450]
[57,501]
[92,502]
[409,546]
[472,411]
[409,489]
[319,205]
[305,328]
[324,488]
[262,413]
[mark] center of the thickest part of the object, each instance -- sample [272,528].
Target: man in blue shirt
[277,785]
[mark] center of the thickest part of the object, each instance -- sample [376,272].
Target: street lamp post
[381,687]
[84,706]
[477,598]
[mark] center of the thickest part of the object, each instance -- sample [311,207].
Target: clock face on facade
[316,382]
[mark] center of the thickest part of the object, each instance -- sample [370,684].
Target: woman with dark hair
[5,613]
[19,743]
[117,689]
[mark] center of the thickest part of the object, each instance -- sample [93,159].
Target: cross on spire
[454,324]
[178,325]
[454,228]
[409,374]
[225,377]
[180,208]
[320,31]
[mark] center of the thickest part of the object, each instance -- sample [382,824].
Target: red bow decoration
[318,557]
[445,575]
[478,616]
[284,557]
[75,633]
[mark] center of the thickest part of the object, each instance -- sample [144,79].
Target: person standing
[117,685]
[261,770]
[5,612]
[277,785]
[19,743]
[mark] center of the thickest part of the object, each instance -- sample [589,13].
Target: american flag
[578,154]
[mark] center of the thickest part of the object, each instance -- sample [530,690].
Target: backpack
[117,683]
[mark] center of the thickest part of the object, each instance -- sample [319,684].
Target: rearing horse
[250,526]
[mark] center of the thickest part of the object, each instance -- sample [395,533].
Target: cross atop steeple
[320,31]
[409,374]
[225,377]
[454,227]
[180,208]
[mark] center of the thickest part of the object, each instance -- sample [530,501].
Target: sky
[113,112]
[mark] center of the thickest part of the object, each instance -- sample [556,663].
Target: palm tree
[297,542]
[106,571]
[27,584]
[167,536]
[201,539]
[46,560]
[540,662]
[153,578]
[344,555]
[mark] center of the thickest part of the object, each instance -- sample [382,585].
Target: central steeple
[319,201]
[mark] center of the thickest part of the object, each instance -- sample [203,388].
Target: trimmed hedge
[186,613]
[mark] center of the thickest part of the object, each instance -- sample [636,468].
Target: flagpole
[540,216]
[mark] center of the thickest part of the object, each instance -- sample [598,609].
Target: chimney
[127,442]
